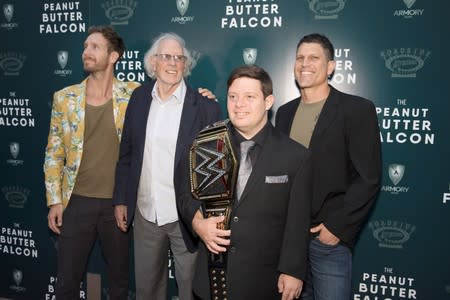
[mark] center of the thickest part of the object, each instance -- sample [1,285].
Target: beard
[92,65]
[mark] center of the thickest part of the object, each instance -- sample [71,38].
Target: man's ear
[269,101]
[113,57]
[331,66]
[152,61]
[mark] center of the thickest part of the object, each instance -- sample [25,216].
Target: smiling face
[96,55]
[312,66]
[247,106]
[168,73]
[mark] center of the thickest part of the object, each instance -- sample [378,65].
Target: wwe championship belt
[213,170]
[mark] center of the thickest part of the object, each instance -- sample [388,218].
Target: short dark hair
[115,41]
[320,39]
[255,72]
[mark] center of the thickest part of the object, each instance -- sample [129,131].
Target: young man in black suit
[342,133]
[268,238]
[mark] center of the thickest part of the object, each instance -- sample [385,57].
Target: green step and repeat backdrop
[392,52]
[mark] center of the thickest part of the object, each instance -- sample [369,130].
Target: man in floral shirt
[80,159]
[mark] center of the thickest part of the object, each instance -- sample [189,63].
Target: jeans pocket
[323,245]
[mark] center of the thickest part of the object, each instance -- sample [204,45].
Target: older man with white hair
[162,119]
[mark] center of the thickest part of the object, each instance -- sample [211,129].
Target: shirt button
[235,219]
[233,249]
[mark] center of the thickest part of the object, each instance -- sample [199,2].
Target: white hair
[190,61]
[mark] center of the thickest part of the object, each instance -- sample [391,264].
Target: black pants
[84,220]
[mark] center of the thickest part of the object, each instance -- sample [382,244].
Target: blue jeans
[330,272]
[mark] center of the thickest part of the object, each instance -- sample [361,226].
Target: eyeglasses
[168,57]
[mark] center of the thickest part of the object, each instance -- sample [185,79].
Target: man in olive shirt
[341,130]
[80,159]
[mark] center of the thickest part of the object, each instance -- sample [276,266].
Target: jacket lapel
[117,98]
[327,115]
[261,166]
[76,105]
[143,104]
[289,119]
[187,121]
[78,95]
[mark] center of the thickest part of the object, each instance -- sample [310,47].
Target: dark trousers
[84,220]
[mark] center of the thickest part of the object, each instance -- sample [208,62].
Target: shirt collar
[258,138]
[176,98]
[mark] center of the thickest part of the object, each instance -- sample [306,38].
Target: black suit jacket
[269,225]
[198,112]
[346,154]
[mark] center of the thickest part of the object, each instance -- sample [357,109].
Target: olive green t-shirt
[304,122]
[96,173]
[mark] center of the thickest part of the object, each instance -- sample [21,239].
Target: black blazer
[346,157]
[198,112]
[269,225]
